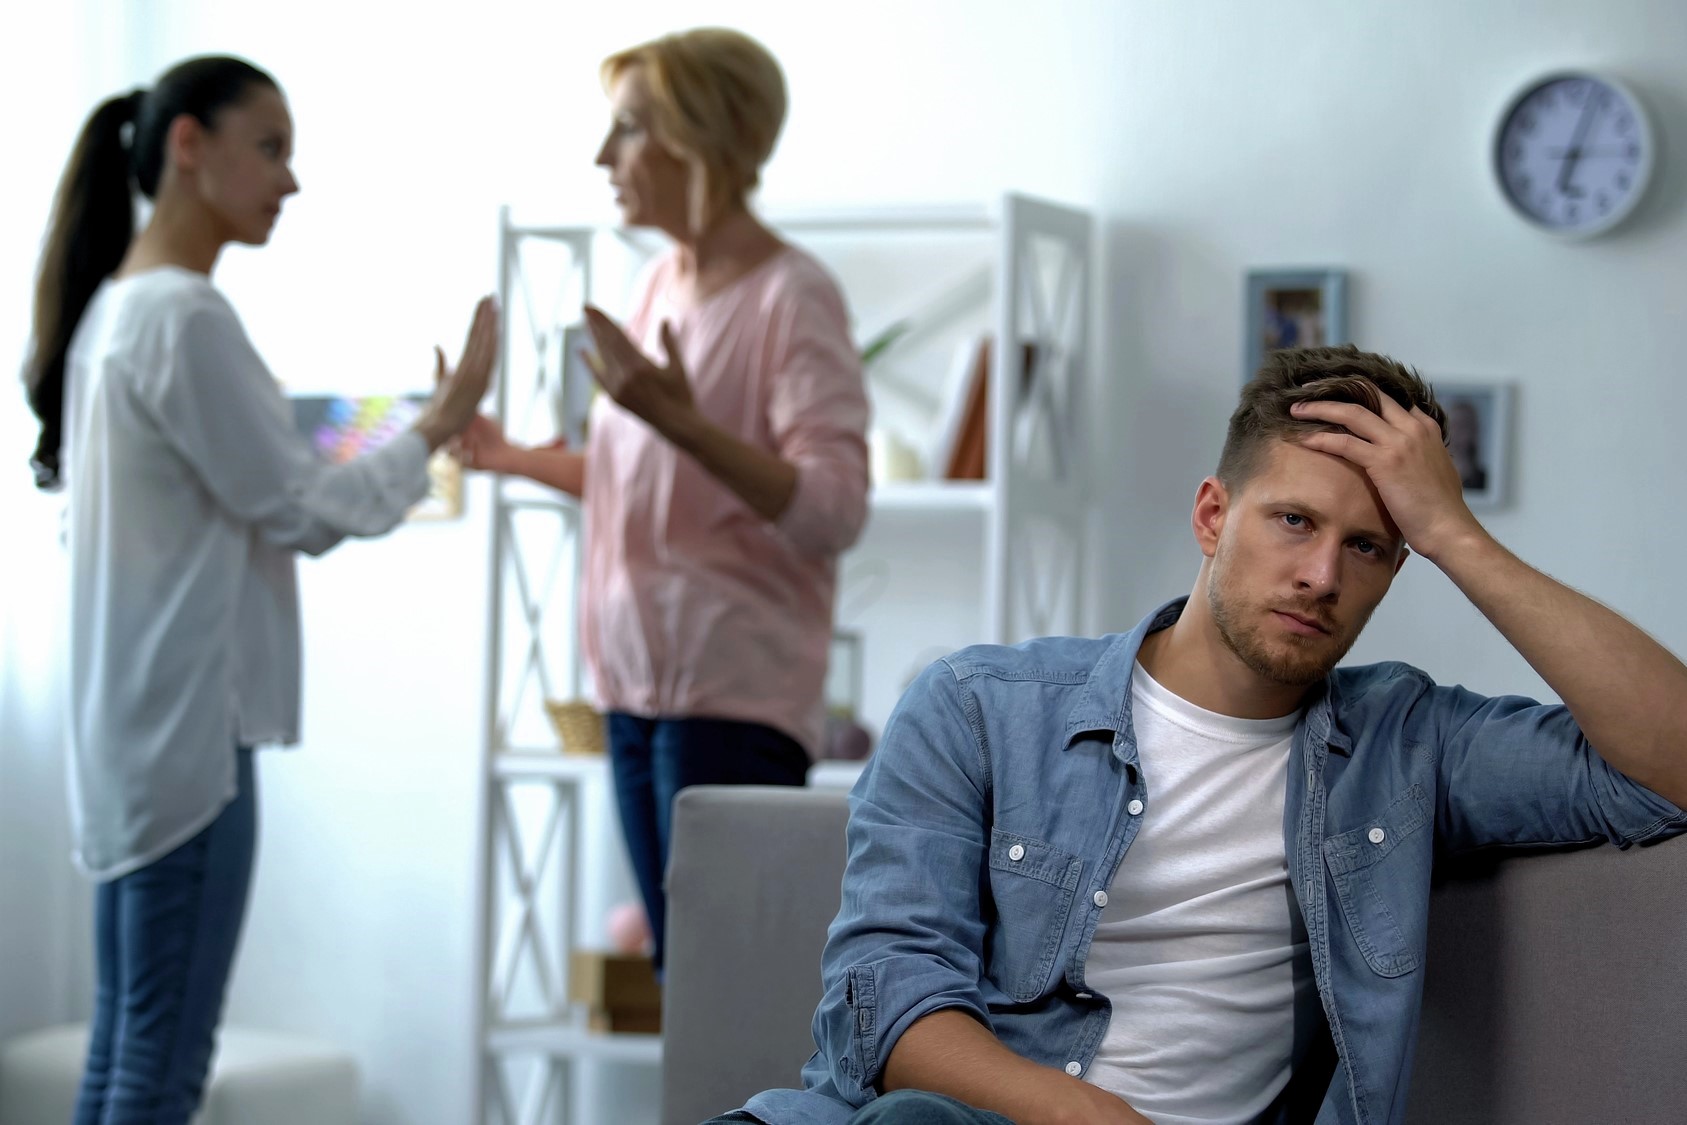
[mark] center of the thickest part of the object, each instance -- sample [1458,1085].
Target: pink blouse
[693,605]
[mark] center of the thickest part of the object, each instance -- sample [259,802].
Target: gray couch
[1555,988]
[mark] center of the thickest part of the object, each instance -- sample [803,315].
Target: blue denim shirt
[1032,746]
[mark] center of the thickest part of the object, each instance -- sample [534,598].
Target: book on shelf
[966,428]
[968,457]
[971,357]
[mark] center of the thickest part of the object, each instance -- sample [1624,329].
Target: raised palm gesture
[458,391]
[658,393]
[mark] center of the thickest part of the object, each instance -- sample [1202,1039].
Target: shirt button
[1134,808]
[1100,899]
[1377,835]
[1074,1069]
[1017,852]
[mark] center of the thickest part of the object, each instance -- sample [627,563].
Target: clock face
[1574,153]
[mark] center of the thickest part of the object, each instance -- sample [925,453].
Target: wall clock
[1574,153]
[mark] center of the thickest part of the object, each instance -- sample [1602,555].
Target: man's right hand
[950,1052]
[1083,1104]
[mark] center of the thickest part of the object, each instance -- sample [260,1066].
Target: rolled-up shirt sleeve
[909,936]
[1519,773]
[818,413]
[218,406]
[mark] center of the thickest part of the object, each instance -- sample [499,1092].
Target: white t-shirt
[1200,948]
[189,490]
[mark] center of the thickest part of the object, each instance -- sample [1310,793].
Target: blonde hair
[719,102]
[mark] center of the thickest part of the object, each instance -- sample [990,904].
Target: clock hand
[1574,154]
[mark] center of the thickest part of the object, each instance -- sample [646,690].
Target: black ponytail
[93,220]
[121,148]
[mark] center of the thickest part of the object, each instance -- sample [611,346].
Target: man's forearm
[1626,691]
[949,1052]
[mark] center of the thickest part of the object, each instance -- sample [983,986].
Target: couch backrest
[1555,989]
[754,880]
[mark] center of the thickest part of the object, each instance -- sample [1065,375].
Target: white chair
[257,1078]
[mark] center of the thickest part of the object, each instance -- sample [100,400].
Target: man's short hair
[1333,374]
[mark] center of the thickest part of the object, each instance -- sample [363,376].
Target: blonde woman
[726,466]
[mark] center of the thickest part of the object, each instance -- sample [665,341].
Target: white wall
[44,907]
[1211,136]
[1355,135]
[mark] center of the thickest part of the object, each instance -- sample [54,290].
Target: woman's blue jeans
[165,937]
[653,759]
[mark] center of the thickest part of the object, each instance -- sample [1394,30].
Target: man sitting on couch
[1182,875]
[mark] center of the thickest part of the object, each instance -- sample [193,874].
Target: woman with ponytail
[189,495]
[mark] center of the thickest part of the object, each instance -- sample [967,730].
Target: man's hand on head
[1403,454]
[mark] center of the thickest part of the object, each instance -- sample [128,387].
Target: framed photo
[1293,309]
[1479,437]
[340,428]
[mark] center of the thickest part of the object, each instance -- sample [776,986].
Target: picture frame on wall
[340,428]
[1479,428]
[1292,308]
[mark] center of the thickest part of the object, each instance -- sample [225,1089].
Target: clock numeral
[1514,153]
[1634,152]
[1573,212]
[1623,181]
[1526,124]
[1604,202]
[1625,123]
[1523,184]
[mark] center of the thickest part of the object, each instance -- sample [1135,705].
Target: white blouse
[189,491]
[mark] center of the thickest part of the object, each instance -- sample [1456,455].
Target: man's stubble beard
[1297,661]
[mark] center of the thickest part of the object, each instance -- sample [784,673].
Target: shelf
[933,496]
[553,764]
[918,219]
[557,766]
[1035,249]
[897,496]
[832,774]
[923,220]
[523,493]
[576,1043]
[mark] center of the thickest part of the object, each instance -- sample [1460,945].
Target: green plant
[881,343]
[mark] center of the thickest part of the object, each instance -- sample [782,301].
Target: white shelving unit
[1018,535]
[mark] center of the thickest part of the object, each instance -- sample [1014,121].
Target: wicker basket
[577,724]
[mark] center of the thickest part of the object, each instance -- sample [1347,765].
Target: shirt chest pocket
[1033,884]
[1381,874]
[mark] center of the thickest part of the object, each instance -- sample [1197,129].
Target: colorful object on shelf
[845,740]
[578,726]
[620,992]
[341,428]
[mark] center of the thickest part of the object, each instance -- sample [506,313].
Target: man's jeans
[165,937]
[900,1107]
